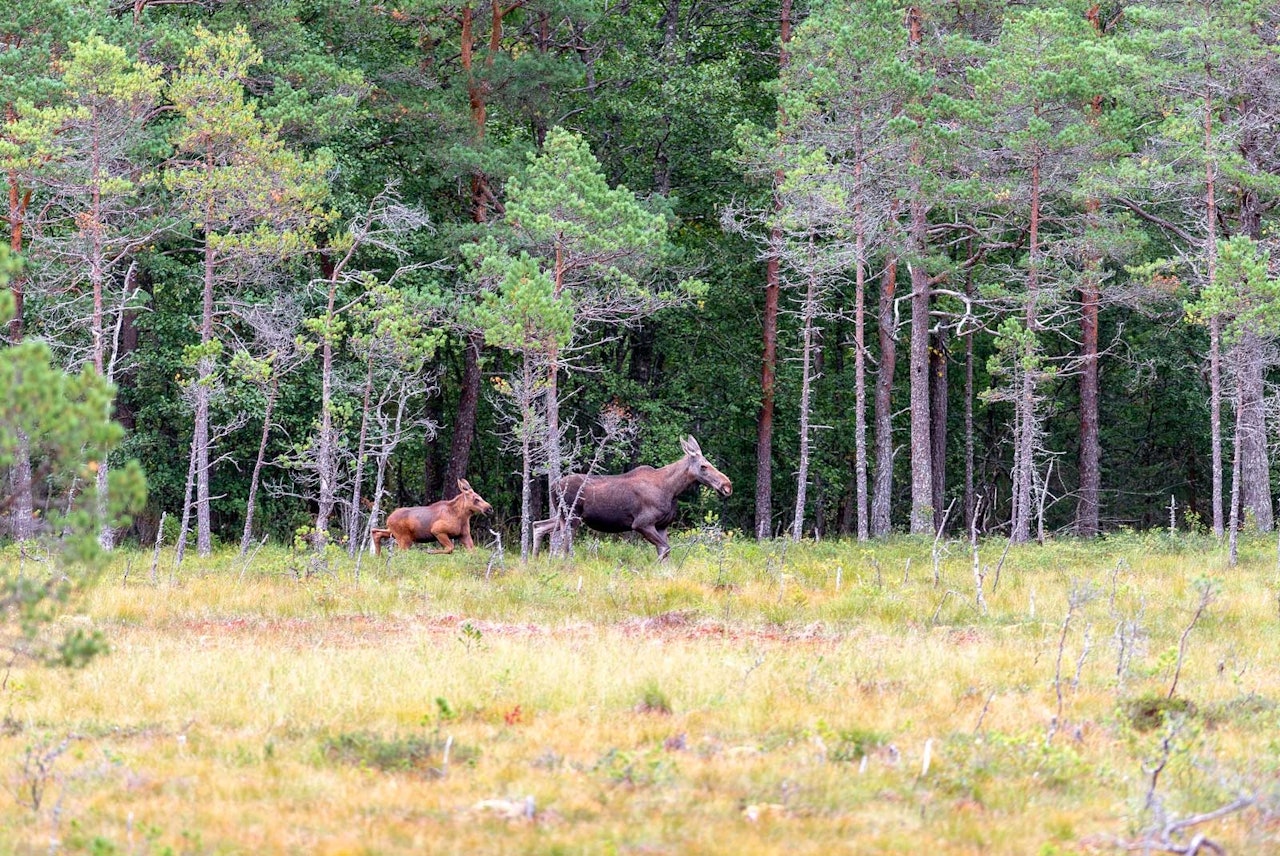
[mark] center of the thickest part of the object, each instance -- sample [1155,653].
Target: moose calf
[444,521]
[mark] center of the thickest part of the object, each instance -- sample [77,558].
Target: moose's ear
[690,445]
[463,484]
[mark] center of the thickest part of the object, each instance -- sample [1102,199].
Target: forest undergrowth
[902,696]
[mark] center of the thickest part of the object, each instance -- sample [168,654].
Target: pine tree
[251,200]
[98,212]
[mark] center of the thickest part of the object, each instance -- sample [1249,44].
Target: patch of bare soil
[358,631]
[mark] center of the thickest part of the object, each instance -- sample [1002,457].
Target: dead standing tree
[273,353]
[394,340]
[382,228]
[846,113]
[96,213]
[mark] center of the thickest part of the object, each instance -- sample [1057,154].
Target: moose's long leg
[445,541]
[540,528]
[657,538]
[466,535]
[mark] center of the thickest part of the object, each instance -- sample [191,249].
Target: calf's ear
[690,445]
[463,484]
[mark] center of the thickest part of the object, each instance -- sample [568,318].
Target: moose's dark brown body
[440,521]
[642,500]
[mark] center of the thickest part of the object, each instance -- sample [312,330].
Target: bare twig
[1206,597]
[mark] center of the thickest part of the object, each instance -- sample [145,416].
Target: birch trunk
[809,313]
[251,502]
[860,366]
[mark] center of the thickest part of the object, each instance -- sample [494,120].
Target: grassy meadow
[744,698]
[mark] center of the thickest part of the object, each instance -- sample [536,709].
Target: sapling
[935,552]
[995,583]
[1207,589]
[1077,599]
[978,574]
[155,554]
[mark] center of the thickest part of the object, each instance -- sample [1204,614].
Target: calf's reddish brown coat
[441,521]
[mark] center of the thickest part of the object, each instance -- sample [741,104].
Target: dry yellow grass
[737,701]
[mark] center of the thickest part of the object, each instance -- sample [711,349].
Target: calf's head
[702,470]
[472,502]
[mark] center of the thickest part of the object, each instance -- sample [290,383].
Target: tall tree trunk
[464,425]
[1089,498]
[808,336]
[922,511]
[882,487]
[1215,324]
[970,499]
[357,480]
[106,535]
[1089,495]
[326,446]
[180,546]
[1028,432]
[526,458]
[1236,467]
[1251,432]
[23,517]
[1215,420]
[255,478]
[769,362]
[768,380]
[200,444]
[561,536]
[938,393]
[860,362]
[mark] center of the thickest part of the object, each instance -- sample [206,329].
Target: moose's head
[702,470]
[472,501]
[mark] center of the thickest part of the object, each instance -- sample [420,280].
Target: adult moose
[442,521]
[642,500]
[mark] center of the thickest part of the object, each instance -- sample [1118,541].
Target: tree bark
[326,446]
[1028,429]
[1251,433]
[922,510]
[464,425]
[1215,324]
[526,459]
[1088,501]
[1236,467]
[882,487]
[200,443]
[808,337]
[860,366]
[970,498]
[938,393]
[1251,429]
[769,361]
[254,479]
[768,379]
[357,479]
[22,521]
